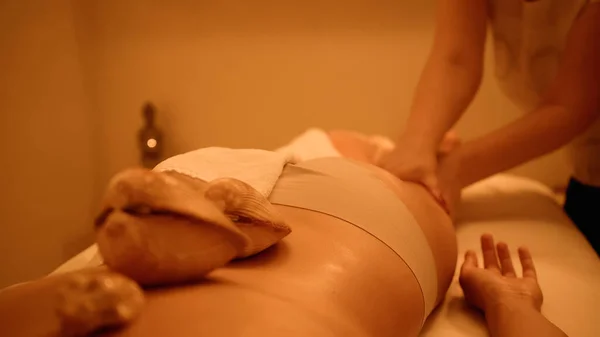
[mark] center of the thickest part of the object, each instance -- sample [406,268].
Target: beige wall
[254,73]
[46,170]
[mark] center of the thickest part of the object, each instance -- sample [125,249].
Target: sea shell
[158,229]
[167,227]
[89,301]
[254,215]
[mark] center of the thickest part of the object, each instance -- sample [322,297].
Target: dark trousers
[582,205]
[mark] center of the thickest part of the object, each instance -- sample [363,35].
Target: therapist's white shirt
[529,38]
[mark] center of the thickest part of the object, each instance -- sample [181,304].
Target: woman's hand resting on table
[497,284]
[511,304]
[436,169]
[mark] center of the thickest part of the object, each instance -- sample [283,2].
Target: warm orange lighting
[151,143]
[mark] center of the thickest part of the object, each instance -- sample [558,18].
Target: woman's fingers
[490,260]
[468,266]
[471,259]
[527,263]
[492,254]
[508,269]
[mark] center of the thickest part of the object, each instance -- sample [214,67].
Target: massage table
[518,211]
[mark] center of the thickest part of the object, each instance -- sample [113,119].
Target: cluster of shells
[163,228]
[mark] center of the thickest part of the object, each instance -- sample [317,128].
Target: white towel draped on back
[258,168]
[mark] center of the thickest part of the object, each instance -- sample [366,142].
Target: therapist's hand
[448,182]
[411,162]
[497,284]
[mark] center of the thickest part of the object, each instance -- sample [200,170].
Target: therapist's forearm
[520,321]
[535,134]
[445,90]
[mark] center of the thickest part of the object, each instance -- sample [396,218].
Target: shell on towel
[167,227]
[253,214]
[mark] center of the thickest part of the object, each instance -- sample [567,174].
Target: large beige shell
[158,229]
[167,227]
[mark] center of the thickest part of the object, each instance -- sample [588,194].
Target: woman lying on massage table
[369,255]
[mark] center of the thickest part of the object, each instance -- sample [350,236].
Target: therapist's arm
[569,107]
[453,71]
[448,83]
[511,304]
